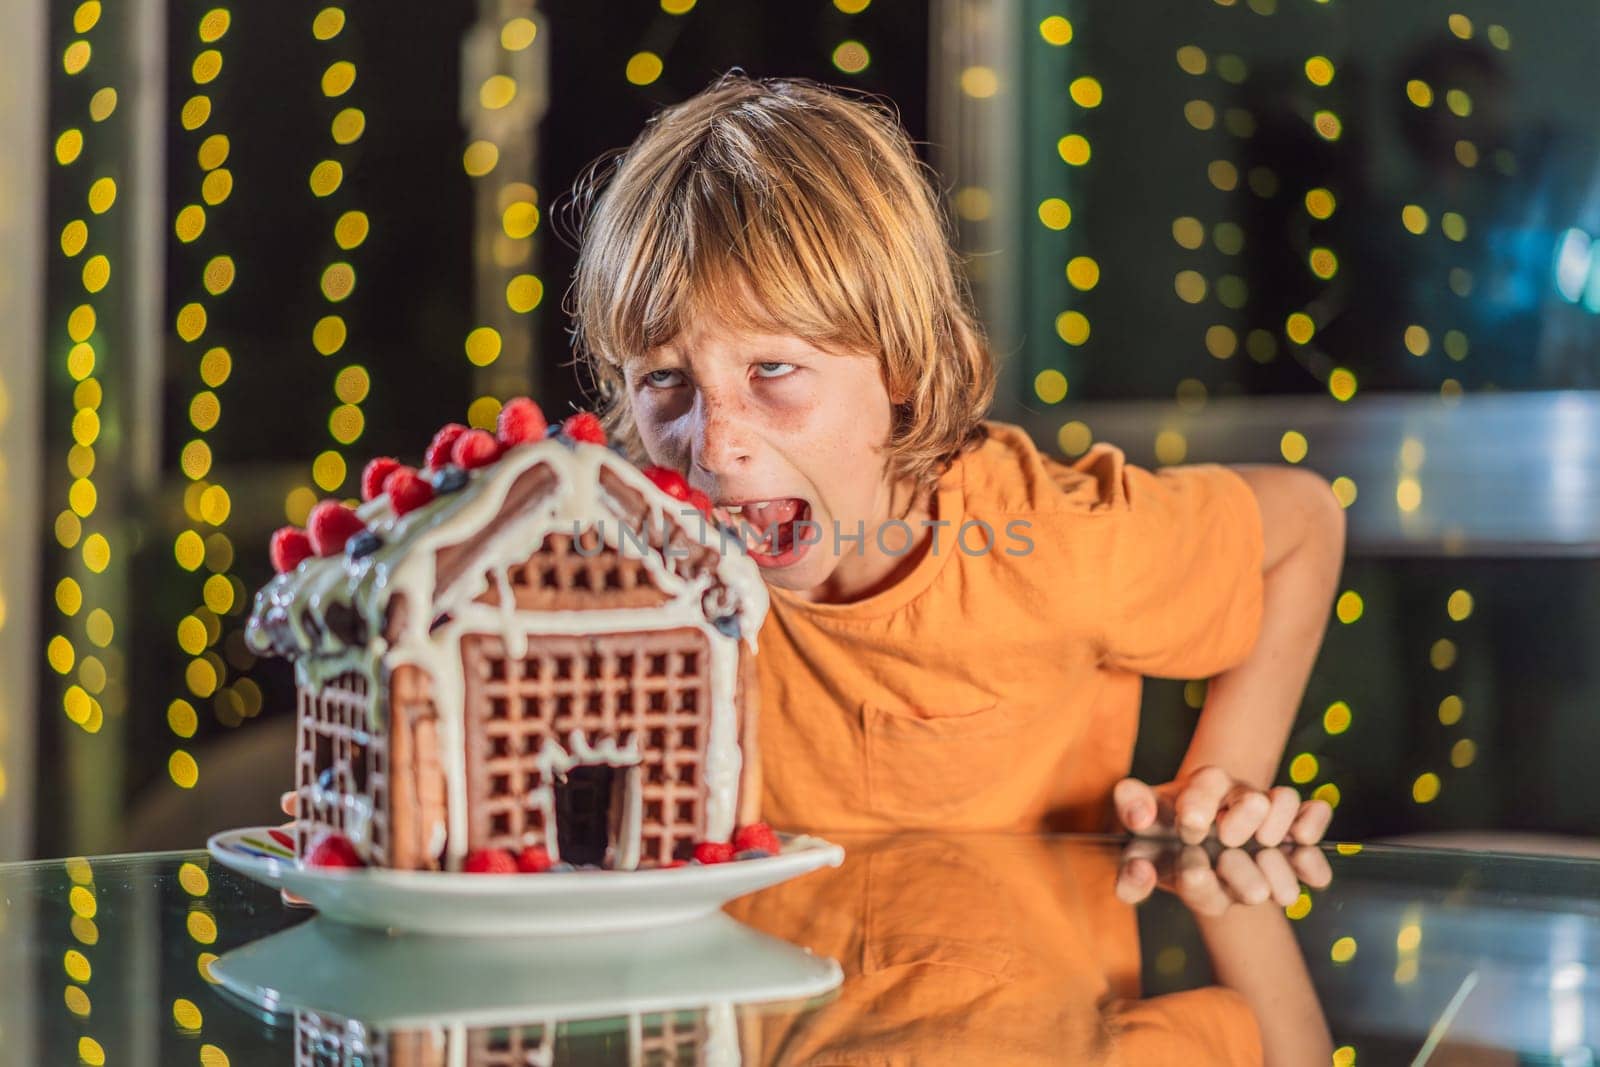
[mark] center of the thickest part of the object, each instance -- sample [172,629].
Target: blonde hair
[784,206]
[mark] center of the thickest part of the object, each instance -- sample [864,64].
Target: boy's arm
[1239,740]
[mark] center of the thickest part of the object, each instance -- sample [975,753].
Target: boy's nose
[724,442]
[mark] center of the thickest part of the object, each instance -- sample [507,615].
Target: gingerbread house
[550,651]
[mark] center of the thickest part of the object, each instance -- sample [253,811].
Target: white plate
[491,905]
[414,981]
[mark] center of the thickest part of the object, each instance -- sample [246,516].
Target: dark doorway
[583,813]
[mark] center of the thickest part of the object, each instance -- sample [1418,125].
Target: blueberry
[362,544]
[617,447]
[449,479]
[727,624]
[752,854]
[326,781]
[562,867]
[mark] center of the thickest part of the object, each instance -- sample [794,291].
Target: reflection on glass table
[919,949]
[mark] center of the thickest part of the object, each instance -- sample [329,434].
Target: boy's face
[778,428]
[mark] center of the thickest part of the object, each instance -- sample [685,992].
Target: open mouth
[769,529]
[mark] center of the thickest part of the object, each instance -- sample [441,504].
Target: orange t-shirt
[999,689]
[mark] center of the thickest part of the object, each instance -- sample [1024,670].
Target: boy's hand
[1211,799]
[1210,886]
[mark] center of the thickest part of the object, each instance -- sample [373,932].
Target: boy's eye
[773,370]
[662,379]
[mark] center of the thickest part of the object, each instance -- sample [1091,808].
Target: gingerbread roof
[347,612]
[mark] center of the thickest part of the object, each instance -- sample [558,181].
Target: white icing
[456,1045]
[405,564]
[722,1037]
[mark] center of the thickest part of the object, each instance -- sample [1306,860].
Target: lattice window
[517,1046]
[339,750]
[325,1041]
[561,577]
[609,686]
[673,1040]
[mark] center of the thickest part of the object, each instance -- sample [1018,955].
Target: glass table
[920,949]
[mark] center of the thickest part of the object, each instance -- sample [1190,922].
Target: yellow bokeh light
[69,596]
[338,78]
[980,82]
[96,553]
[328,471]
[1417,340]
[80,460]
[851,57]
[1299,328]
[1414,219]
[81,322]
[1460,25]
[1221,341]
[1083,273]
[352,384]
[1189,232]
[1171,447]
[186,1015]
[191,635]
[189,550]
[1336,720]
[190,223]
[195,460]
[327,24]
[1408,494]
[1327,125]
[218,276]
[1455,345]
[76,964]
[1344,491]
[90,1052]
[483,346]
[74,235]
[351,229]
[1055,213]
[1500,37]
[518,33]
[520,219]
[76,57]
[1451,709]
[69,146]
[1349,606]
[338,281]
[60,655]
[1426,788]
[214,24]
[1086,92]
[298,503]
[1319,70]
[193,879]
[196,112]
[201,678]
[82,498]
[215,366]
[1324,264]
[1344,950]
[1453,226]
[498,90]
[1466,153]
[77,1001]
[1320,203]
[68,529]
[1072,327]
[191,321]
[202,927]
[524,293]
[182,718]
[349,125]
[1442,654]
[85,427]
[1228,237]
[1459,606]
[86,17]
[1190,285]
[96,273]
[1074,149]
[82,901]
[213,151]
[1050,385]
[216,186]
[1056,30]
[1192,60]
[1074,438]
[1293,446]
[207,65]
[86,394]
[218,594]
[1463,753]
[328,335]
[1459,101]
[483,412]
[326,177]
[1300,908]
[346,423]
[1303,768]
[77,704]
[480,158]
[1200,114]
[1342,384]
[215,505]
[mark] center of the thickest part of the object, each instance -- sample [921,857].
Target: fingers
[1282,880]
[1311,823]
[1198,802]
[1136,881]
[1197,883]
[1283,805]
[1311,865]
[1243,878]
[1135,804]
[1243,811]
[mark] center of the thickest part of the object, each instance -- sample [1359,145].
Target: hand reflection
[1211,884]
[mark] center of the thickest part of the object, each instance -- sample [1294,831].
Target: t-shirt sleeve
[1196,1027]
[1183,594]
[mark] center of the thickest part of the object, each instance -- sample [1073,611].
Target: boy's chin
[803,575]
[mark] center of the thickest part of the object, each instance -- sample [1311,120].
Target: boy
[769,302]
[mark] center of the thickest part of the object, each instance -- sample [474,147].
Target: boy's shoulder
[1008,474]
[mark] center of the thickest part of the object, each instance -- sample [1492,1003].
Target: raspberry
[372,478]
[669,482]
[489,861]
[713,852]
[674,865]
[585,426]
[757,835]
[331,525]
[335,851]
[474,449]
[438,453]
[407,490]
[520,422]
[697,499]
[290,545]
[534,859]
